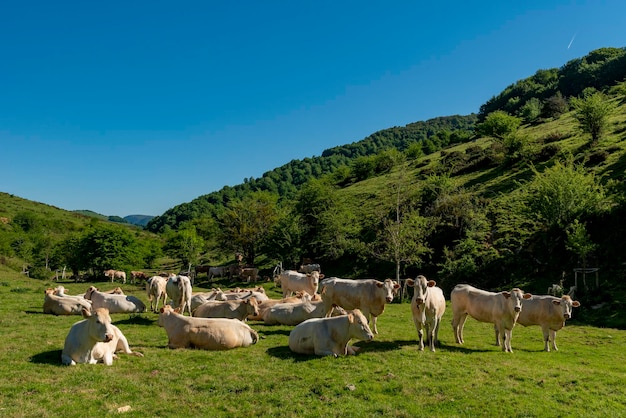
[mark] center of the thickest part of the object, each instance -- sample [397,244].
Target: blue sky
[135,107]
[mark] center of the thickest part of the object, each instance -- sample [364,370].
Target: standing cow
[550,313]
[292,282]
[180,291]
[428,306]
[501,309]
[156,289]
[368,295]
[330,336]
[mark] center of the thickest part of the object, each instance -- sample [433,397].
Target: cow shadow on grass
[136,320]
[48,357]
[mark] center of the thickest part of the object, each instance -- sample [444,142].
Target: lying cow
[113,302]
[198,299]
[180,292]
[63,305]
[292,282]
[501,309]
[264,305]
[235,309]
[428,305]
[296,313]
[155,288]
[549,312]
[330,336]
[94,340]
[205,333]
[368,295]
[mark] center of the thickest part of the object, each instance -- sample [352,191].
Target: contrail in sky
[572,41]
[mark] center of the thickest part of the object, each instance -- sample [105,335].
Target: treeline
[415,138]
[548,89]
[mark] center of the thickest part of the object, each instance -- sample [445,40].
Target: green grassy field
[389,377]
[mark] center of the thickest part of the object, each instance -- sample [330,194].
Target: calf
[63,305]
[235,309]
[179,290]
[94,340]
[113,302]
[330,336]
[501,309]
[427,306]
[548,312]
[368,295]
[205,333]
[156,289]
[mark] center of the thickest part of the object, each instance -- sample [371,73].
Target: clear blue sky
[133,107]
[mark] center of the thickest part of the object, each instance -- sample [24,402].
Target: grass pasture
[389,377]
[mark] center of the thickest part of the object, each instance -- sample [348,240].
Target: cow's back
[540,310]
[479,304]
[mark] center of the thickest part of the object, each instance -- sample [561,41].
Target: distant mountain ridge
[139,220]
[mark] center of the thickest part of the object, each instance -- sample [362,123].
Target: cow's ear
[431,283]
[556,302]
[379,284]
[86,312]
[506,294]
[410,282]
[528,295]
[576,304]
[322,276]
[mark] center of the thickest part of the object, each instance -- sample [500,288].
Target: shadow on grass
[273,331]
[136,320]
[48,357]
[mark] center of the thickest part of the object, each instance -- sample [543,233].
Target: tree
[246,223]
[185,245]
[530,110]
[593,112]
[498,125]
[579,242]
[104,246]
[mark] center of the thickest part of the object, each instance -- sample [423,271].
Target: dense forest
[519,194]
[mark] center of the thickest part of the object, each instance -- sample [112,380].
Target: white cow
[94,340]
[500,309]
[113,302]
[292,281]
[428,306]
[156,289]
[179,291]
[368,295]
[330,336]
[295,313]
[217,271]
[199,298]
[205,333]
[550,313]
[64,305]
[236,309]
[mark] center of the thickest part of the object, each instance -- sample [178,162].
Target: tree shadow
[48,357]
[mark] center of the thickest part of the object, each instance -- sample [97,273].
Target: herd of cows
[327,313]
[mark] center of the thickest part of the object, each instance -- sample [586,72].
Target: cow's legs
[458,322]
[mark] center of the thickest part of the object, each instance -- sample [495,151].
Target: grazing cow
[368,295]
[249,273]
[64,305]
[121,275]
[236,309]
[94,340]
[292,281]
[309,268]
[330,336]
[550,313]
[427,306]
[156,289]
[501,309]
[113,302]
[179,291]
[217,271]
[202,269]
[295,313]
[205,333]
[138,275]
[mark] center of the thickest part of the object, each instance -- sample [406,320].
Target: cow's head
[253,306]
[90,291]
[567,304]
[390,288]
[420,286]
[100,328]
[359,328]
[515,297]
